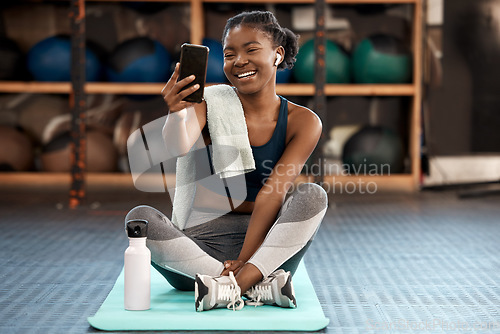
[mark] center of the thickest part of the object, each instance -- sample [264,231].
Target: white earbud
[278,59]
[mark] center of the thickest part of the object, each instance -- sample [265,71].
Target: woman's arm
[305,127]
[185,120]
[182,128]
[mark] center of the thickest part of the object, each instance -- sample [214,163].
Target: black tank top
[266,156]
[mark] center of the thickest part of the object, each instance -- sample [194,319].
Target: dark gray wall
[464,112]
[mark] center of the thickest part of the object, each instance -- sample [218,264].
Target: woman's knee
[143,212]
[306,201]
[311,194]
[159,226]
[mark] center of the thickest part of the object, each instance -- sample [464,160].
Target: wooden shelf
[291,2]
[99,181]
[91,87]
[395,182]
[339,184]
[288,2]
[155,88]
[35,87]
[348,89]
[185,1]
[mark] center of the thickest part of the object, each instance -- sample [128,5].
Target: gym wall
[463,109]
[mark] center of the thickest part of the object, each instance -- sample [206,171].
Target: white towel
[228,129]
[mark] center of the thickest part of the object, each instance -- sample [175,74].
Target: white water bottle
[137,267]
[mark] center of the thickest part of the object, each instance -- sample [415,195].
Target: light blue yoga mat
[172,309]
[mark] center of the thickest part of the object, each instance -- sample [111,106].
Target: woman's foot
[276,289]
[223,291]
[214,292]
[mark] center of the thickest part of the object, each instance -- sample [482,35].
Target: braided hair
[266,22]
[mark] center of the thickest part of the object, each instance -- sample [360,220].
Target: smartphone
[194,60]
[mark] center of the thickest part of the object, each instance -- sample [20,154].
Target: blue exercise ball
[50,60]
[215,67]
[140,59]
[283,76]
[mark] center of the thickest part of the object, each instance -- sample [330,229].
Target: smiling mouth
[246,74]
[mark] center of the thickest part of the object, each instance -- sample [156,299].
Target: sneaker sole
[199,295]
[288,291]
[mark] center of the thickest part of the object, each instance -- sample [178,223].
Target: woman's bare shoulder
[301,118]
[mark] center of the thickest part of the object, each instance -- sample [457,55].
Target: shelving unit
[154,88]
[400,182]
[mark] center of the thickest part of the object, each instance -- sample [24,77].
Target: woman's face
[249,59]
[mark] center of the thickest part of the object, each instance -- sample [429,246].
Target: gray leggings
[202,247]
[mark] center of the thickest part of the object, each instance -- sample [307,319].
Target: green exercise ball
[381,59]
[337,63]
[373,150]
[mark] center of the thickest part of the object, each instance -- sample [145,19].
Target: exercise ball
[215,66]
[16,150]
[373,150]
[12,60]
[50,60]
[9,115]
[337,63]
[283,76]
[381,59]
[338,137]
[140,59]
[38,110]
[126,124]
[101,155]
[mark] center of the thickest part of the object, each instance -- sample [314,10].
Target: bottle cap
[137,228]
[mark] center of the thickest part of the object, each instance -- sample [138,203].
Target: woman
[254,249]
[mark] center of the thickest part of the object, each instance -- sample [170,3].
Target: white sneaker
[276,289]
[221,291]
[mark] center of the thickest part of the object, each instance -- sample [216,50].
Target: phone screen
[194,60]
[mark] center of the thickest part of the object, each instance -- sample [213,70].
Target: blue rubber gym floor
[423,263]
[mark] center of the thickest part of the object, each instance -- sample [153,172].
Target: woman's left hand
[232,265]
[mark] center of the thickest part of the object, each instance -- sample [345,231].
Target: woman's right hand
[172,93]
[232,265]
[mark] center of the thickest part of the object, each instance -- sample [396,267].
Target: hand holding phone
[194,60]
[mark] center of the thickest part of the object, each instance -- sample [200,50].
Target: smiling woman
[258,41]
[249,58]
[253,248]
[266,23]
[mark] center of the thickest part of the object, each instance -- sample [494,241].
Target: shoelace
[231,292]
[260,292]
